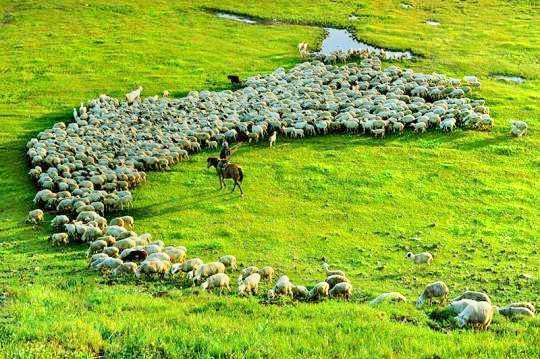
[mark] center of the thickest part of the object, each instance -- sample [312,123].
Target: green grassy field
[470,198]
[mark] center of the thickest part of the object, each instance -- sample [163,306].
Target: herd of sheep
[85,169]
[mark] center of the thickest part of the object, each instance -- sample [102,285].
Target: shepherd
[226,169]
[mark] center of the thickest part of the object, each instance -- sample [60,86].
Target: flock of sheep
[86,169]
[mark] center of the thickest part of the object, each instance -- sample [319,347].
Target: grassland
[471,198]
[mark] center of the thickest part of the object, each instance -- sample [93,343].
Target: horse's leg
[235,183]
[241,191]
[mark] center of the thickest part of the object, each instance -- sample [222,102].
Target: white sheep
[96,247]
[108,264]
[419,127]
[127,268]
[519,128]
[59,238]
[58,222]
[335,279]
[35,216]
[112,252]
[477,314]
[420,258]
[319,291]
[457,306]
[303,49]
[162,256]
[249,285]
[343,289]
[516,311]
[283,286]
[153,268]
[134,95]
[388,296]
[219,280]
[207,270]
[176,254]
[433,290]
[189,265]
[300,292]
[267,273]
[229,261]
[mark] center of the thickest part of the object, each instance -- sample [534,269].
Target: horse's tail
[240,174]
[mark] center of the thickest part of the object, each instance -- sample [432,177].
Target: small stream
[335,40]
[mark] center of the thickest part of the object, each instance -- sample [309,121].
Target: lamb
[267,273]
[246,272]
[378,132]
[249,285]
[420,258]
[335,279]
[59,238]
[476,296]
[35,216]
[219,280]
[389,296]
[433,290]
[477,314]
[332,272]
[126,268]
[272,139]
[343,289]
[319,291]
[207,270]
[134,95]
[448,125]
[283,286]
[229,261]
[59,221]
[303,49]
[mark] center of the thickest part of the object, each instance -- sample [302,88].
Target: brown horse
[225,170]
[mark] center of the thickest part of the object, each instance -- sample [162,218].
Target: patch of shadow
[7,19]
[403,319]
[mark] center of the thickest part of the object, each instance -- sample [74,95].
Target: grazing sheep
[272,139]
[420,258]
[283,286]
[332,272]
[419,127]
[249,285]
[58,222]
[527,305]
[176,254]
[162,256]
[229,261]
[476,296]
[319,291]
[510,311]
[389,296]
[433,290]
[343,289]
[207,270]
[300,292]
[191,265]
[125,244]
[35,216]
[108,264]
[378,132]
[219,280]
[153,268]
[335,279]
[96,247]
[112,252]
[59,239]
[134,95]
[246,272]
[96,259]
[477,314]
[267,273]
[126,268]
